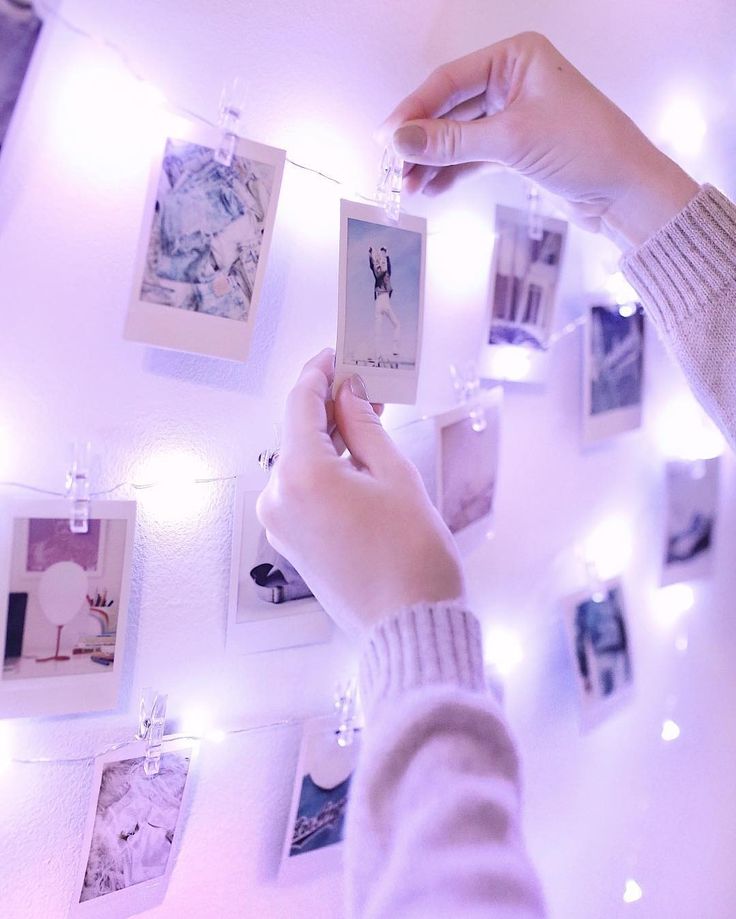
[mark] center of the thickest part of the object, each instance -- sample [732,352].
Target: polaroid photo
[600,648]
[270,604]
[19,31]
[64,621]
[133,831]
[467,464]
[691,515]
[203,251]
[613,371]
[381,301]
[525,274]
[316,822]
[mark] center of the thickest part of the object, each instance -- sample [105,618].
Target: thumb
[444,142]
[361,428]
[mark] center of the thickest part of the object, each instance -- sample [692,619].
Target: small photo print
[381,300]
[321,791]
[525,275]
[205,246]
[692,509]
[19,31]
[467,461]
[613,371]
[131,831]
[600,648]
[271,606]
[66,607]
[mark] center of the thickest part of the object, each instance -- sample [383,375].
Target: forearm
[433,822]
[686,276]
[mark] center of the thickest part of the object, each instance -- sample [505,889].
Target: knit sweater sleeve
[686,276]
[433,825]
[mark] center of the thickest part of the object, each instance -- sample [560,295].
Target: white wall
[616,803]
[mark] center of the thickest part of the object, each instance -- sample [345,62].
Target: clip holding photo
[390,177]
[77,488]
[232,102]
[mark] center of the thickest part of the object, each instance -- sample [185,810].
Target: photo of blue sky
[405,251]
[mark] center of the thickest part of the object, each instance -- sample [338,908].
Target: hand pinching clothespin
[232,101]
[77,488]
[534,218]
[151,722]
[345,703]
[466,383]
[390,176]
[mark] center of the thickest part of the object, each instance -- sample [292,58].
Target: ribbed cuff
[689,262]
[422,645]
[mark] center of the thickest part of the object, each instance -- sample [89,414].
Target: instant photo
[64,617]
[692,503]
[613,371]
[467,463]
[132,831]
[316,824]
[600,650]
[523,292]
[271,606]
[381,301]
[203,253]
[19,31]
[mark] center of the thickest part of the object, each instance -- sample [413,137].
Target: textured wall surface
[617,803]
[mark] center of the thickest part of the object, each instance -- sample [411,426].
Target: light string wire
[168,738]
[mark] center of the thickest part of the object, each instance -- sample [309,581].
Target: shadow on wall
[232,376]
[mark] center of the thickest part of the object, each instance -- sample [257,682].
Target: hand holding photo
[201,263]
[599,647]
[132,831]
[692,508]
[64,626]
[381,301]
[613,371]
[321,789]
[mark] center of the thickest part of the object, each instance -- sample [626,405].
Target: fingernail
[357,387]
[410,140]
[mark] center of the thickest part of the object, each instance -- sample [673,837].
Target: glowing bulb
[464,240]
[683,126]
[681,643]
[171,489]
[216,735]
[685,432]
[511,363]
[196,722]
[622,292]
[672,602]
[503,650]
[608,548]
[670,730]
[627,310]
[632,891]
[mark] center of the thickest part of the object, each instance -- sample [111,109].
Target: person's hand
[360,529]
[520,104]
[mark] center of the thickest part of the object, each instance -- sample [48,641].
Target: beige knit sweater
[433,826]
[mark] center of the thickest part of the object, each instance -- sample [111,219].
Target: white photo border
[496,360]
[389,386]
[138,897]
[182,330]
[594,712]
[488,400]
[605,425]
[287,625]
[305,865]
[75,693]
